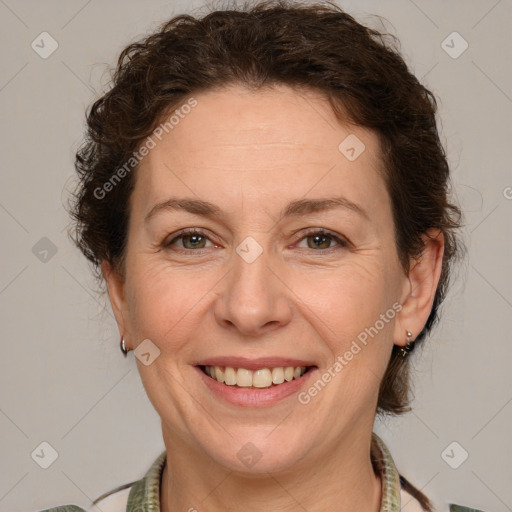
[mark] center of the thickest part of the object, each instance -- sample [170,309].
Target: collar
[145,493]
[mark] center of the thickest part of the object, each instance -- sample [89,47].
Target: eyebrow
[293,209]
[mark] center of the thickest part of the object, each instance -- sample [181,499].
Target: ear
[116,293]
[420,287]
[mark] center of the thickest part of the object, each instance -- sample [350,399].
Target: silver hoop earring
[404,351]
[124,350]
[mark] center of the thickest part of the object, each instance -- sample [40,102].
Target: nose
[254,300]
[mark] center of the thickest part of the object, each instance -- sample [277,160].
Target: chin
[261,451]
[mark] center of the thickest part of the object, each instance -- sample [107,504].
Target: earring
[124,350]
[404,351]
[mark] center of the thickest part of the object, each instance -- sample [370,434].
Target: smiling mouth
[263,378]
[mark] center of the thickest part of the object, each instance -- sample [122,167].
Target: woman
[266,196]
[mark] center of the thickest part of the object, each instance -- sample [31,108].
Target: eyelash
[314,231]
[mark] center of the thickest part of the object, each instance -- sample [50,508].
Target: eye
[194,239]
[191,239]
[321,239]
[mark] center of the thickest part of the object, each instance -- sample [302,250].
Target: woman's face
[252,286]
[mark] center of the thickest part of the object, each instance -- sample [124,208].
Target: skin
[251,153]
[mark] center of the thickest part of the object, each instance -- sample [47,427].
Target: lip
[253,364]
[254,397]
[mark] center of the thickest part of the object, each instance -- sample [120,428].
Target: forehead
[260,141]
[235,116]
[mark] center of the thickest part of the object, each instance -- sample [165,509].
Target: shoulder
[65,508]
[413,500]
[116,501]
[410,504]
[462,508]
[139,495]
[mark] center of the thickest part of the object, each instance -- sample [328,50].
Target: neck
[341,480]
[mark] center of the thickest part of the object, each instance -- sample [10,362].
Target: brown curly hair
[316,46]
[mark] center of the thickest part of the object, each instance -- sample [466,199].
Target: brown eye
[318,241]
[190,240]
[322,240]
[193,241]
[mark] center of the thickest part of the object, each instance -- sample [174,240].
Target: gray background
[63,378]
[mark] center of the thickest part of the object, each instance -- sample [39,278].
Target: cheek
[345,303]
[166,303]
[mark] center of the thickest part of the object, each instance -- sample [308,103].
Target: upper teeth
[259,378]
